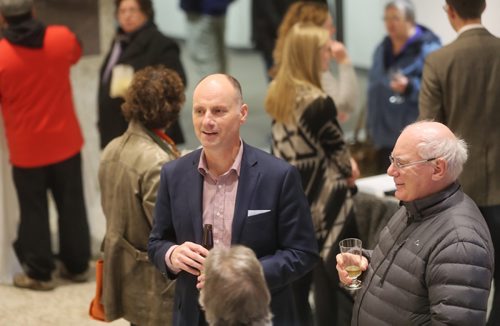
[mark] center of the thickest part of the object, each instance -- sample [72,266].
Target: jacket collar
[27,32]
[421,209]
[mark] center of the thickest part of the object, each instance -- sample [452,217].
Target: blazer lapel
[193,191]
[249,176]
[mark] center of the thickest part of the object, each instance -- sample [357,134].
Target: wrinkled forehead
[406,145]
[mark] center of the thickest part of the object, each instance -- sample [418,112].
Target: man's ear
[451,12]
[243,113]
[440,169]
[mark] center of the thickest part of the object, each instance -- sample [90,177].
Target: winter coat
[385,120]
[145,47]
[433,265]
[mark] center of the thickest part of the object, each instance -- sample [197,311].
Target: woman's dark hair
[145,5]
[154,98]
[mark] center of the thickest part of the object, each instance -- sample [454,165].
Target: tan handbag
[96,309]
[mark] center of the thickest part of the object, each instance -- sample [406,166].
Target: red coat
[36,98]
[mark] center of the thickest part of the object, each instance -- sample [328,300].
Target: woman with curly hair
[129,174]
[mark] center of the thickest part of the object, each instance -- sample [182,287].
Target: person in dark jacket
[206,25]
[394,78]
[137,44]
[266,19]
[450,96]
[434,261]
[250,197]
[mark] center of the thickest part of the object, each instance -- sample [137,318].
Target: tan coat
[129,175]
[461,88]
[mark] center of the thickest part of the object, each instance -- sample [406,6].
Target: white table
[378,185]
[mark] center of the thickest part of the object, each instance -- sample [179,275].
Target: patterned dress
[314,144]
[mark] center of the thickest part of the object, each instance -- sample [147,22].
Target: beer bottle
[208,237]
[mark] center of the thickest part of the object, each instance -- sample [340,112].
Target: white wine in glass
[394,75]
[351,250]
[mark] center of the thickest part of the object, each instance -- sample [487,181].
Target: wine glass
[394,75]
[351,250]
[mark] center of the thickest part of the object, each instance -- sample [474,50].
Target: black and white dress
[314,143]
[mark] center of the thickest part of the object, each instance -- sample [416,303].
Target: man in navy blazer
[227,180]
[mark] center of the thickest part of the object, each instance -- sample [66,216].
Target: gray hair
[10,8]
[406,6]
[452,150]
[235,291]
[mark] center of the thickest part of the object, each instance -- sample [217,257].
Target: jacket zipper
[391,261]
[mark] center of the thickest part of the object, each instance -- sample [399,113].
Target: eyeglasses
[397,162]
[445,8]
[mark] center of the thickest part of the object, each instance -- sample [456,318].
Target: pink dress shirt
[219,199]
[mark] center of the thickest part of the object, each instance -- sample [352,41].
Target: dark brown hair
[145,5]
[155,97]
[468,9]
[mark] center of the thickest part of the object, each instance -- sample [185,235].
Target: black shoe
[77,278]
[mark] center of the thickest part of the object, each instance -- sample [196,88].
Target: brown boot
[22,280]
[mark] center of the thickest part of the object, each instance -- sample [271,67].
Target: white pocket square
[253,212]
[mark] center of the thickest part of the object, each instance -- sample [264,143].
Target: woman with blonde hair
[343,88]
[306,133]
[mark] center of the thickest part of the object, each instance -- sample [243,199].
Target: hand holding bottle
[189,257]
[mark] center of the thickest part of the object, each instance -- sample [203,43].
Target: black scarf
[25,31]
[126,38]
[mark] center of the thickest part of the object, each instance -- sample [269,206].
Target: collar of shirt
[468,28]
[236,166]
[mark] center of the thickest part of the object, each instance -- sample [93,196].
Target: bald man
[250,198]
[434,260]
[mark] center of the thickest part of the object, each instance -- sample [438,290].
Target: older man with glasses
[434,261]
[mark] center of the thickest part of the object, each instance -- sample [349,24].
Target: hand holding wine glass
[398,83]
[351,262]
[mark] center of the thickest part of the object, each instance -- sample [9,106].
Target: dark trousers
[33,244]
[492,216]
[301,288]
[333,305]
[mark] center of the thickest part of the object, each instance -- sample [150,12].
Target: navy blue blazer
[282,236]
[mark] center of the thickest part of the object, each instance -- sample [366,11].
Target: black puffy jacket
[432,265]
